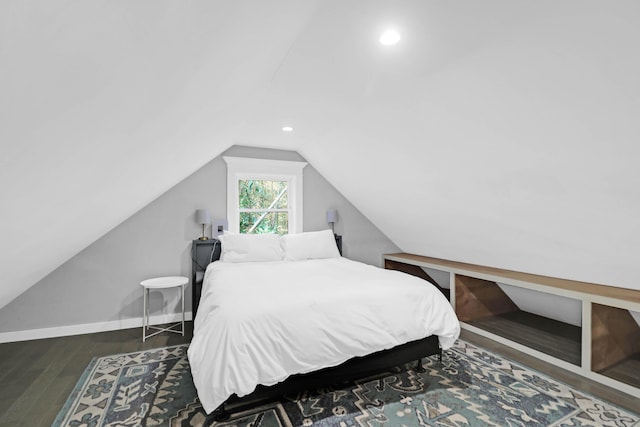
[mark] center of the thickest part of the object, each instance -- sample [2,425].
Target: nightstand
[203,252]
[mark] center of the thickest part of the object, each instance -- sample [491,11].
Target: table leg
[144,314]
[183,310]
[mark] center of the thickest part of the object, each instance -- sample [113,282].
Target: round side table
[162,283]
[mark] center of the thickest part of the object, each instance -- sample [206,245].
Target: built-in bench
[605,347]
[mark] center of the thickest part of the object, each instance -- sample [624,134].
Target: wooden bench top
[625,294]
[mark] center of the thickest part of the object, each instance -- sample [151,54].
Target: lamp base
[203,238]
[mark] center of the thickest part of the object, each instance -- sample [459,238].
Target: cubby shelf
[557,339]
[605,348]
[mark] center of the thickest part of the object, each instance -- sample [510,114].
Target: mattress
[260,322]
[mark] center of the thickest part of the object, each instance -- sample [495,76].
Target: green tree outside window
[263,207]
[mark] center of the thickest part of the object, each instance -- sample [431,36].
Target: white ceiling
[496,132]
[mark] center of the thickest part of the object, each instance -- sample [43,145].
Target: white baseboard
[89,328]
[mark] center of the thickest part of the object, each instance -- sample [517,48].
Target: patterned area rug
[470,387]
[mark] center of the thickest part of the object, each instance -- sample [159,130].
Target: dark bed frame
[357,367]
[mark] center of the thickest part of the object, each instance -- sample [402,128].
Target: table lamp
[203,217]
[332,217]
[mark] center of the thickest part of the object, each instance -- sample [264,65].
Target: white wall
[498,132]
[501,134]
[555,307]
[100,283]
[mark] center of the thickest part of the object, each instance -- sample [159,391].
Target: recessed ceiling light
[390,37]
[287,129]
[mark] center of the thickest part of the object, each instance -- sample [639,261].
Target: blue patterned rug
[471,387]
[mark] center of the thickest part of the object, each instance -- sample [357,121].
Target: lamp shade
[332,215]
[203,216]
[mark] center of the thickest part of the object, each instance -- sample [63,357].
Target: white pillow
[310,245]
[250,247]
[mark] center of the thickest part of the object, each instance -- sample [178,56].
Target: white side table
[162,283]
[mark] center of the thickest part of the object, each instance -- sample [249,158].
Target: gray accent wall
[101,283]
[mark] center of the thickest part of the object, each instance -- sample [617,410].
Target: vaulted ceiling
[496,132]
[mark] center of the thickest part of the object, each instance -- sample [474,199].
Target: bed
[277,314]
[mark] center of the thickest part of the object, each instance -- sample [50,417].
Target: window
[263,206]
[264,196]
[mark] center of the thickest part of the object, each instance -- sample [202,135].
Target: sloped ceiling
[497,132]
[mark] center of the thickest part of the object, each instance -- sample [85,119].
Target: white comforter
[260,322]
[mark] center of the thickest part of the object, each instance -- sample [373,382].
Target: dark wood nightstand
[202,253]
[338,242]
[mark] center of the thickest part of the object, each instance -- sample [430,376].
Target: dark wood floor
[626,371]
[37,376]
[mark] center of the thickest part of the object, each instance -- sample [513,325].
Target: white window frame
[244,168]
